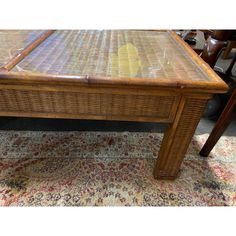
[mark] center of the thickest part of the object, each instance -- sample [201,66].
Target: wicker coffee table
[146,76]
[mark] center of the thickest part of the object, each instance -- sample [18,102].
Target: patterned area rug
[109,169]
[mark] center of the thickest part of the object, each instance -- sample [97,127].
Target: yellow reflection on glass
[126,62]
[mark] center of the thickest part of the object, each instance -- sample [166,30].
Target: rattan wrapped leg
[177,138]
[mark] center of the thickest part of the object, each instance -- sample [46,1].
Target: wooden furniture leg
[229,70]
[178,136]
[230,45]
[227,50]
[222,123]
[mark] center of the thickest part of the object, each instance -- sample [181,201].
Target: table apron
[89,103]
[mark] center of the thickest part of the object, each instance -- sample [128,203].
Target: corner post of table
[178,136]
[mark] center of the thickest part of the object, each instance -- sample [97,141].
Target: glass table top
[109,53]
[13,41]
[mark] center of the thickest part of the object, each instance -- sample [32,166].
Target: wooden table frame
[180,104]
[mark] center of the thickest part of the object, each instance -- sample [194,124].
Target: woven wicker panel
[177,138]
[12,41]
[185,130]
[85,103]
[113,53]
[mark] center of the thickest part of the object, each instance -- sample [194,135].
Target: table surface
[12,41]
[146,56]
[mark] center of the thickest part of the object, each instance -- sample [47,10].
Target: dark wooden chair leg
[222,123]
[227,50]
[229,70]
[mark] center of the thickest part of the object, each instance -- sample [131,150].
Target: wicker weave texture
[13,41]
[113,53]
[85,103]
[171,158]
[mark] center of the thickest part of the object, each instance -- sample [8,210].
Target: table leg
[178,136]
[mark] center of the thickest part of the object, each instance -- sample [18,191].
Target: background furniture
[223,122]
[212,49]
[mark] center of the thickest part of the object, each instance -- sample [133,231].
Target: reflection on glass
[13,41]
[126,62]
